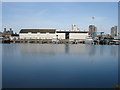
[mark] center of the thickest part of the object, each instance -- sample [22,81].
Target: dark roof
[37,30]
[15,35]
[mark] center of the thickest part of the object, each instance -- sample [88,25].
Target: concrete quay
[62,41]
[43,41]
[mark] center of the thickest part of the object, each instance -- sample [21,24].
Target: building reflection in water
[66,48]
[52,49]
[43,49]
[61,64]
[101,50]
[114,50]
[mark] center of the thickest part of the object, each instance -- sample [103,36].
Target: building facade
[92,29]
[6,32]
[14,37]
[114,31]
[51,33]
[1,34]
[75,27]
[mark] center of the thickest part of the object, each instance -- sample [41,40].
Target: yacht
[89,40]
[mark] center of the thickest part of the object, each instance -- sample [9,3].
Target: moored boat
[89,40]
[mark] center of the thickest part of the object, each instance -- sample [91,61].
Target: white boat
[89,40]
[54,39]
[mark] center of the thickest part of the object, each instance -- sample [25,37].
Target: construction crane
[94,34]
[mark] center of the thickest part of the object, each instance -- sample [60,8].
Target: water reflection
[114,51]
[58,49]
[59,66]
[66,48]
[80,49]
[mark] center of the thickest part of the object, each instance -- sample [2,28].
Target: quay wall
[61,41]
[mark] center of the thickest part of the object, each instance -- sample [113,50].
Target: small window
[34,32]
[43,32]
[51,32]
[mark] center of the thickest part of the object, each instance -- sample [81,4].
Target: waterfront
[59,66]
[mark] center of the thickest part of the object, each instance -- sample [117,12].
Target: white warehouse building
[52,33]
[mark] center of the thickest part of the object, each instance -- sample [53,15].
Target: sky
[60,0]
[59,15]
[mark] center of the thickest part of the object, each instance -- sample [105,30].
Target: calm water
[59,66]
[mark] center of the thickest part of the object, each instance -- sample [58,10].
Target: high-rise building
[10,32]
[114,31]
[4,30]
[92,29]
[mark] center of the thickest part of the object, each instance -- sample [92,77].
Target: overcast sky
[59,15]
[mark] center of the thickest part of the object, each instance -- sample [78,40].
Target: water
[59,66]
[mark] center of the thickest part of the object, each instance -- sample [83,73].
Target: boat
[55,40]
[88,40]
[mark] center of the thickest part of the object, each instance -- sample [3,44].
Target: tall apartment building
[92,29]
[114,31]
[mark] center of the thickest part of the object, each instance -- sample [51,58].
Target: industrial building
[74,33]
[52,33]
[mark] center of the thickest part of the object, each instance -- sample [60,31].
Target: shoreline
[64,41]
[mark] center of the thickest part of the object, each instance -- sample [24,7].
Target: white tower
[74,27]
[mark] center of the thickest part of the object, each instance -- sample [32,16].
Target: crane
[95,33]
